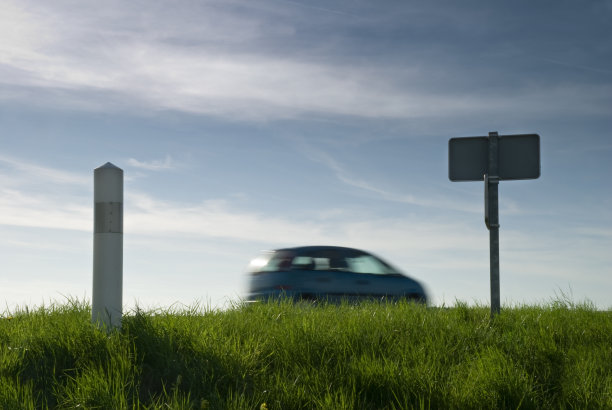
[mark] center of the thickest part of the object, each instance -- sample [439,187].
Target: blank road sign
[518,157]
[468,158]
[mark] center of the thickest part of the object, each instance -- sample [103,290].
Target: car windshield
[321,260]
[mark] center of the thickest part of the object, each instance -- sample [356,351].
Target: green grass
[370,356]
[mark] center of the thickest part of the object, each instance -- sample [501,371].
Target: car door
[327,276]
[372,278]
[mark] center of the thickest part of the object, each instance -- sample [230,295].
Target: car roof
[317,248]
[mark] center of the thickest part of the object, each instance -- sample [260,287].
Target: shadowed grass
[368,356]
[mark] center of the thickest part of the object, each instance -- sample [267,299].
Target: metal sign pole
[492,214]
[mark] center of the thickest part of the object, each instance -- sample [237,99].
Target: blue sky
[250,125]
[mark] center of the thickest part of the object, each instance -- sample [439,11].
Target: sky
[249,125]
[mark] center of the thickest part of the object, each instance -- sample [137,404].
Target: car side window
[330,259]
[317,263]
[303,263]
[368,264]
[321,263]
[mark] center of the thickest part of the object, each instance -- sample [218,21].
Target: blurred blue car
[330,273]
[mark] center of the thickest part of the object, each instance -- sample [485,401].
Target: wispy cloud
[19,171]
[147,216]
[360,183]
[153,165]
[207,58]
[578,66]
[37,203]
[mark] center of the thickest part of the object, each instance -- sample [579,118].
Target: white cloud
[38,196]
[21,34]
[23,208]
[148,216]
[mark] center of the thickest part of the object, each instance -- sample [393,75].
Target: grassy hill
[286,356]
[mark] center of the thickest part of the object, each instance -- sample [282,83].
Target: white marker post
[106,304]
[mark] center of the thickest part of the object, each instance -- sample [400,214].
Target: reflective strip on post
[108,217]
